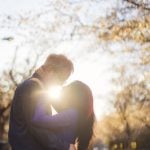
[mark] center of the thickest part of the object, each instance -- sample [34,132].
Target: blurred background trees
[130,122]
[10,79]
[121,31]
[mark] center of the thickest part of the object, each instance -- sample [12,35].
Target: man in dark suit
[23,135]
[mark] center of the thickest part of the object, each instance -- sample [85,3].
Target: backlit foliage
[136,30]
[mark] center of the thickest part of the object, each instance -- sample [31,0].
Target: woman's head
[79,96]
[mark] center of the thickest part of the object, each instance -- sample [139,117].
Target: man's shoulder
[28,84]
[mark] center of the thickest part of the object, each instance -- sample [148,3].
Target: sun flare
[54,92]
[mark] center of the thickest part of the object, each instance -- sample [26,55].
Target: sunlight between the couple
[55,92]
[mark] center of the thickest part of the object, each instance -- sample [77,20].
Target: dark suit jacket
[23,135]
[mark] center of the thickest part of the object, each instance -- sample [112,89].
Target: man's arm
[60,120]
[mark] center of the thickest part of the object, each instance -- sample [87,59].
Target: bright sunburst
[55,92]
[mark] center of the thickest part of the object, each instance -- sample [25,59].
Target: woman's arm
[60,120]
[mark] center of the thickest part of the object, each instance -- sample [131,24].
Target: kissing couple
[32,125]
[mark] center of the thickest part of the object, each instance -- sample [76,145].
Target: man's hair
[57,63]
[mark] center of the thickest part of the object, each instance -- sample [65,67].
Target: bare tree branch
[35,62]
[12,77]
[12,68]
[143,6]
[4,109]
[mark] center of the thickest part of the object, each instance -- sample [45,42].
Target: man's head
[56,69]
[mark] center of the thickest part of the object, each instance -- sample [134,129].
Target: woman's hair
[79,96]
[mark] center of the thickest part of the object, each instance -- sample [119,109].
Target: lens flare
[54,92]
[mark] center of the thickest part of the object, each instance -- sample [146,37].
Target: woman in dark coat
[75,122]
